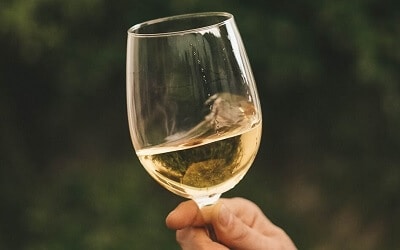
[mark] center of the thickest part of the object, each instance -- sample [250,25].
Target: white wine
[203,167]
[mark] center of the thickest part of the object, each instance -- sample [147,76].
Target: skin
[238,223]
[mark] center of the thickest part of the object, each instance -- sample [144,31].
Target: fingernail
[224,215]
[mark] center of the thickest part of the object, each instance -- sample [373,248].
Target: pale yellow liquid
[203,167]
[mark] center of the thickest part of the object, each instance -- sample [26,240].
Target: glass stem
[211,232]
[208,201]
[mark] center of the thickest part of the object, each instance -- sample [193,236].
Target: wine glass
[193,108]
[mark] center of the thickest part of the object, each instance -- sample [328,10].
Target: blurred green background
[328,171]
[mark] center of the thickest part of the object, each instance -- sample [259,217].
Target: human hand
[238,223]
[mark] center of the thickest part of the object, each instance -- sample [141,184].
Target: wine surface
[203,167]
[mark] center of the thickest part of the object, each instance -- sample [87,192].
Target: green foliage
[98,208]
[328,168]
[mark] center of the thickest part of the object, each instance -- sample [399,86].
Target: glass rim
[131,30]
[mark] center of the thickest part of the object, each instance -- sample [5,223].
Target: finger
[234,233]
[251,215]
[196,238]
[248,211]
[258,225]
[186,214]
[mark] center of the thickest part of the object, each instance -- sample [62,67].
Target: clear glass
[193,108]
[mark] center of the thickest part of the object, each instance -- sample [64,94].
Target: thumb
[234,233]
